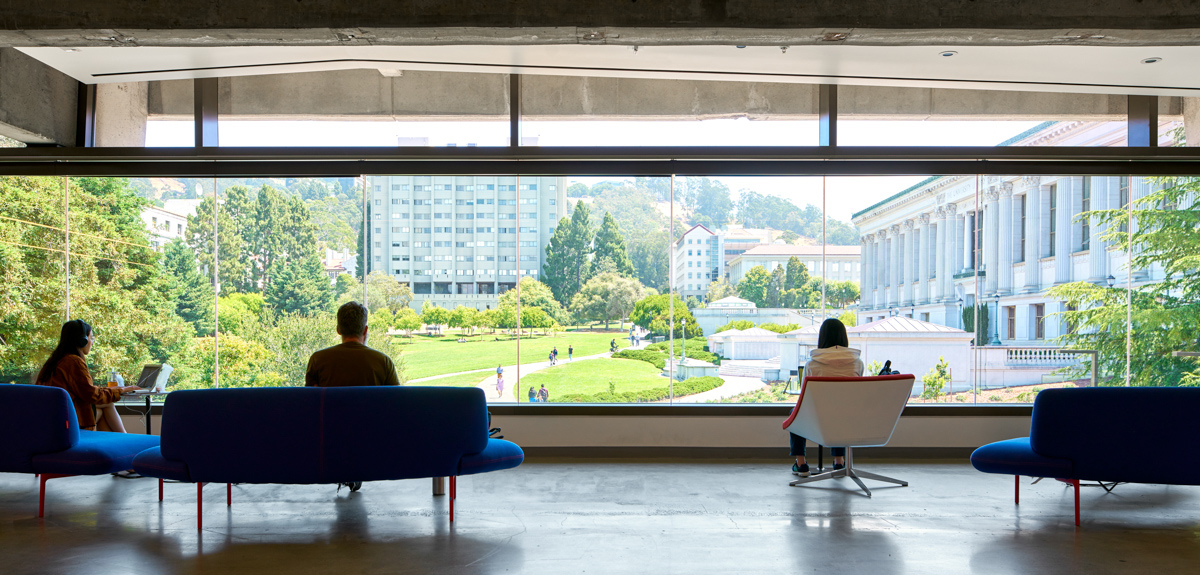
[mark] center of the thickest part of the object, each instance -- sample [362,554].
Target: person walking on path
[543,394]
[551,358]
[532,395]
[500,386]
[570,352]
[555,353]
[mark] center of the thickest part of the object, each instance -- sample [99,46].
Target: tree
[567,265]
[382,291]
[1166,313]
[981,328]
[649,254]
[610,249]
[754,286]
[654,313]
[535,294]
[738,324]
[720,289]
[608,297]
[434,316]
[534,318]
[281,229]
[302,287]
[346,284]
[797,273]
[848,318]
[234,263]
[464,318]
[709,202]
[191,292]
[406,319]
[775,287]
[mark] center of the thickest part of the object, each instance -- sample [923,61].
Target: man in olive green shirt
[351,363]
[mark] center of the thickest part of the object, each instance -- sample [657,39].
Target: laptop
[153,379]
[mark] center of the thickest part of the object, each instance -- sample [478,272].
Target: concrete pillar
[1104,196]
[37,102]
[1008,233]
[1191,121]
[1064,212]
[991,239]
[923,259]
[121,114]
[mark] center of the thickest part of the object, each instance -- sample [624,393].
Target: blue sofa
[1088,435]
[305,435]
[42,436]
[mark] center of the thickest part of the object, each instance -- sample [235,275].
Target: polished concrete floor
[559,516]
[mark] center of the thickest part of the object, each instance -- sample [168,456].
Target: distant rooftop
[793,250]
[732,302]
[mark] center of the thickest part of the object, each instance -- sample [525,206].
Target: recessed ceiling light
[1152,60]
[948,53]
[71,50]
[740,47]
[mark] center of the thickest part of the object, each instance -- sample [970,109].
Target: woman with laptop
[67,369]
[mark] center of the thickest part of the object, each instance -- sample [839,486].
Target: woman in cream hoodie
[833,357]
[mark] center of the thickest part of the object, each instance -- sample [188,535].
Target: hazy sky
[844,195]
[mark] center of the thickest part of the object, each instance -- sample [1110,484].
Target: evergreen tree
[191,292]
[567,266]
[299,287]
[610,247]
[775,287]
[797,274]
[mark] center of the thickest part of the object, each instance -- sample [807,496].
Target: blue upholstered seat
[96,452]
[153,464]
[499,454]
[41,435]
[1016,457]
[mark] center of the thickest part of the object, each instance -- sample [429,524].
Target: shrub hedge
[690,386]
[654,358]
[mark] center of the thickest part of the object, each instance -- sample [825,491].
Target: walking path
[512,381]
[733,386]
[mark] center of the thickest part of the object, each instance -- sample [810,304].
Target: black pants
[799,445]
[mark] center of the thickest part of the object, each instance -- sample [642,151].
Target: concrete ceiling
[1085,69]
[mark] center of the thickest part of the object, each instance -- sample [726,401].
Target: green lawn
[593,375]
[428,356]
[461,380]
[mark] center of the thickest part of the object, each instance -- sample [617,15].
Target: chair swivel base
[849,471]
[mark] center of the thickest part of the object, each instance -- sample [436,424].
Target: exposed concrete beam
[1191,121]
[416,95]
[37,102]
[342,22]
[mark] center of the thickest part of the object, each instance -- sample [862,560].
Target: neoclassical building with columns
[1004,241]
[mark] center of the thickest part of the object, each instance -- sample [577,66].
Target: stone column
[865,287]
[1004,247]
[991,237]
[923,259]
[1064,213]
[1104,196]
[941,253]
[1033,233]
[895,264]
[955,252]
[968,242]
[906,276]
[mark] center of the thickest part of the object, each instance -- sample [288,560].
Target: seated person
[832,358]
[67,369]
[350,363]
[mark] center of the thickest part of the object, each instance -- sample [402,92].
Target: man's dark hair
[352,319]
[833,332]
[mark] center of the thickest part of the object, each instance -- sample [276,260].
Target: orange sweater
[72,375]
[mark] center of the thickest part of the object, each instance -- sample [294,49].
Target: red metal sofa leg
[199,506]
[1017,490]
[229,495]
[1076,483]
[160,489]
[42,491]
[453,494]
